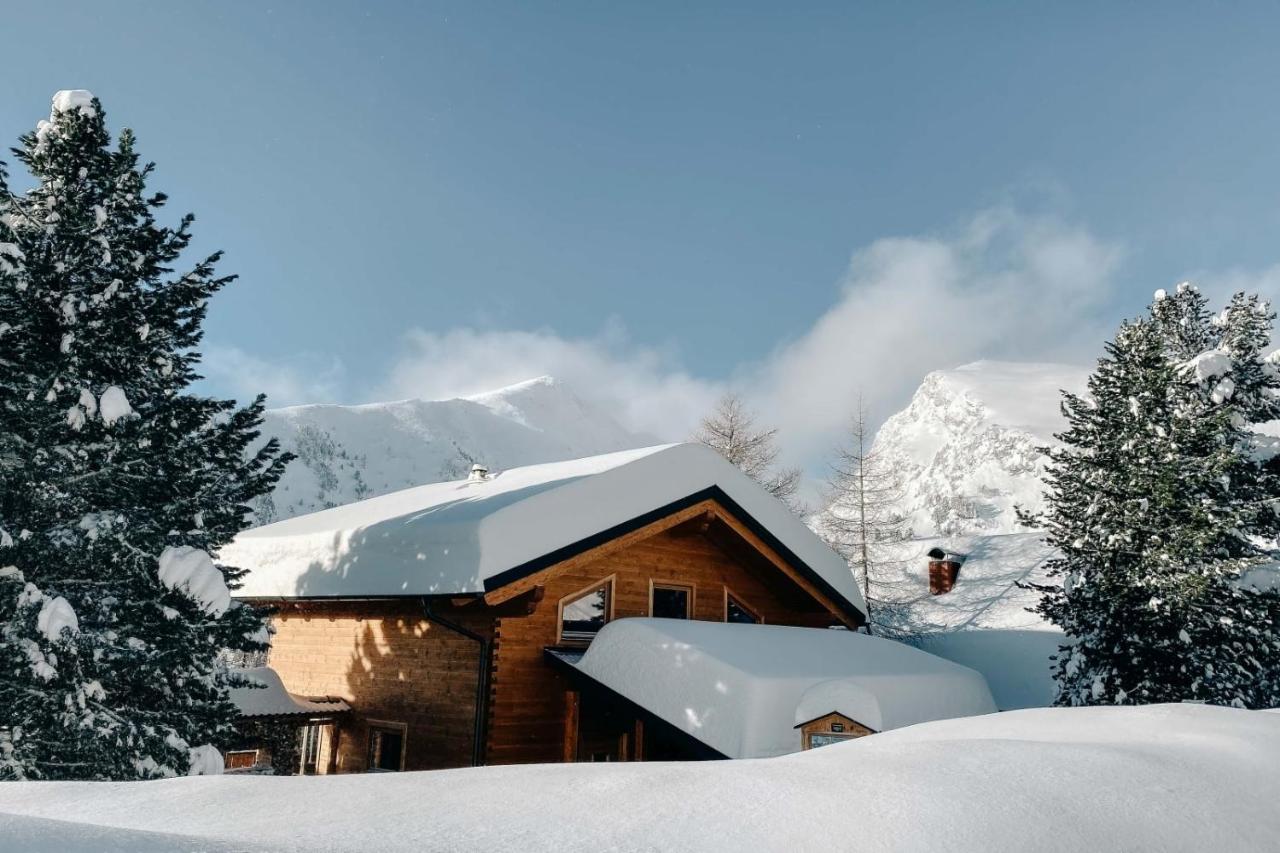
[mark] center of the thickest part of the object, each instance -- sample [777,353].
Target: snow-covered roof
[986,593]
[272,700]
[984,622]
[741,689]
[470,536]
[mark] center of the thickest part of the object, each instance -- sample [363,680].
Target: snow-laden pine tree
[116,482]
[731,430]
[1162,500]
[863,518]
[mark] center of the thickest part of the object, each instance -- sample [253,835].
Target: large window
[386,747]
[584,613]
[670,601]
[736,611]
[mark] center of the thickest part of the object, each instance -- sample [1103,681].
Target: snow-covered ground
[1159,778]
[967,447]
[347,453]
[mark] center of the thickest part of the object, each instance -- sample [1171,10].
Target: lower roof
[741,689]
[269,698]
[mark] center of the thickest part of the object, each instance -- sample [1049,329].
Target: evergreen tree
[863,519]
[116,483]
[1160,501]
[731,430]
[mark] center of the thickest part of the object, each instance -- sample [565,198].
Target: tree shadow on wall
[406,671]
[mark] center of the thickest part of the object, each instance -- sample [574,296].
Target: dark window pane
[385,749]
[585,616]
[736,612]
[670,603]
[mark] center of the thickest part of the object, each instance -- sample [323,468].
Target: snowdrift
[1169,778]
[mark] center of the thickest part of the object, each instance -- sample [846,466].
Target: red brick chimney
[943,570]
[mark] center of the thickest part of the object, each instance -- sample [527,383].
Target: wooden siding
[389,663]
[527,696]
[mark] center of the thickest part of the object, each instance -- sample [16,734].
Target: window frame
[313,768]
[390,726]
[754,611]
[609,585]
[227,761]
[690,589]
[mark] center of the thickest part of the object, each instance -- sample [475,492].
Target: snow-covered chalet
[648,604]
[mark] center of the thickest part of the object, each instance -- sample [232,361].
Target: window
[241,759]
[310,749]
[584,613]
[386,747]
[670,600]
[818,739]
[736,611]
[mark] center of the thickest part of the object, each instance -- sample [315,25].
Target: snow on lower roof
[273,700]
[741,689]
[459,537]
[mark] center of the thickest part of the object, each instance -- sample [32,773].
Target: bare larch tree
[863,519]
[731,430]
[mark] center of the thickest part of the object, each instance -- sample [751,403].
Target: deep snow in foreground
[1172,777]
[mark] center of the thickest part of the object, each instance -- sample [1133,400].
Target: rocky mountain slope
[967,448]
[347,453]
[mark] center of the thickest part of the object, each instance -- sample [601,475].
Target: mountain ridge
[347,453]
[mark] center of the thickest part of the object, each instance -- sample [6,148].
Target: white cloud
[1004,285]
[643,387]
[305,378]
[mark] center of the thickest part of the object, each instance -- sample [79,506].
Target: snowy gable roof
[271,699]
[471,536]
[741,689]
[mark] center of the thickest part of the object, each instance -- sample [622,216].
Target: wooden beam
[572,710]
[637,741]
[716,516]
[758,545]
[524,604]
[696,526]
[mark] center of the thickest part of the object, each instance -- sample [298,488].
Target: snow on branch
[191,571]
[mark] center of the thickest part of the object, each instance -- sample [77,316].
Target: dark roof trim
[711,493]
[287,599]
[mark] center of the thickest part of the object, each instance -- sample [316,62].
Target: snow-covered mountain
[346,453]
[967,447]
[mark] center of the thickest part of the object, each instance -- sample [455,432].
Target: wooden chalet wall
[391,665]
[527,704]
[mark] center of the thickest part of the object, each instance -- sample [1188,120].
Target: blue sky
[659,200]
